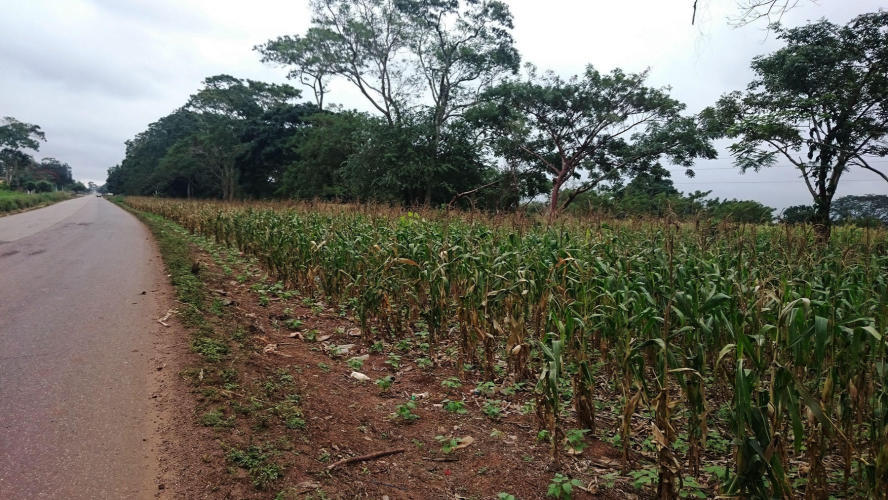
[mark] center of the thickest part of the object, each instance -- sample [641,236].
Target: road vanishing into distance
[77,324]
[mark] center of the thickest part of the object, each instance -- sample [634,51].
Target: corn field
[682,326]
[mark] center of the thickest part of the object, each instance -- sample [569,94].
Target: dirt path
[81,286]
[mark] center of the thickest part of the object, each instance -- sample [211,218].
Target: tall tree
[819,103]
[312,59]
[227,106]
[323,150]
[138,173]
[364,40]
[55,171]
[593,127]
[270,145]
[15,138]
[461,48]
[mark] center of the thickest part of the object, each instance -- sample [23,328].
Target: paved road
[76,338]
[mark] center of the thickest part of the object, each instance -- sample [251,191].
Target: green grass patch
[13,201]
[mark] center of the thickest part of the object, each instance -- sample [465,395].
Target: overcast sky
[93,73]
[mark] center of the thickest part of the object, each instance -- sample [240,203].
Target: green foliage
[798,214]
[493,409]
[455,407]
[864,210]
[643,478]
[816,104]
[256,462]
[11,201]
[486,388]
[448,443]
[385,383]
[215,418]
[355,363]
[775,324]
[451,383]
[562,487]
[529,118]
[210,348]
[576,439]
[405,411]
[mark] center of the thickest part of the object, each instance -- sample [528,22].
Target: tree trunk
[822,222]
[553,198]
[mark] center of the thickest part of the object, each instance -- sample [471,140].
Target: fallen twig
[441,459]
[364,458]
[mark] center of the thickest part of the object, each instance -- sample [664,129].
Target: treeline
[456,123]
[19,170]
[861,210]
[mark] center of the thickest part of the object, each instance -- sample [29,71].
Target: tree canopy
[452,122]
[593,127]
[819,104]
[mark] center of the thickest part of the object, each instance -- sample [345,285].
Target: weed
[451,383]
[405,411]
[215,418]
[394,361]
[454,407]
[562,487]
[255,461]
[385,383]
[576,439]
[492,409]
[448,444]
[486,388]
[643,478]
[355,363]
[209,348]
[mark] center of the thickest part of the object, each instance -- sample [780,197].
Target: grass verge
[241,407]
[11,201]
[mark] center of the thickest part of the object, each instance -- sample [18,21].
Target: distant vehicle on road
[98,195]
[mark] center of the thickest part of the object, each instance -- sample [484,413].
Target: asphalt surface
[77,318]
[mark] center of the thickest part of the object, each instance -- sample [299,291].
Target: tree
[312,58]
[420,64]
[209,155]
[818,103]
[43,186]
[755,10]
[16,136]
[229,108]
[593,127]
[363,41]
[392,162]
[747,211]
[322,151]
[798,214]
[55,171]
[461,48]
[139,171]
[237,99]
[863,209]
